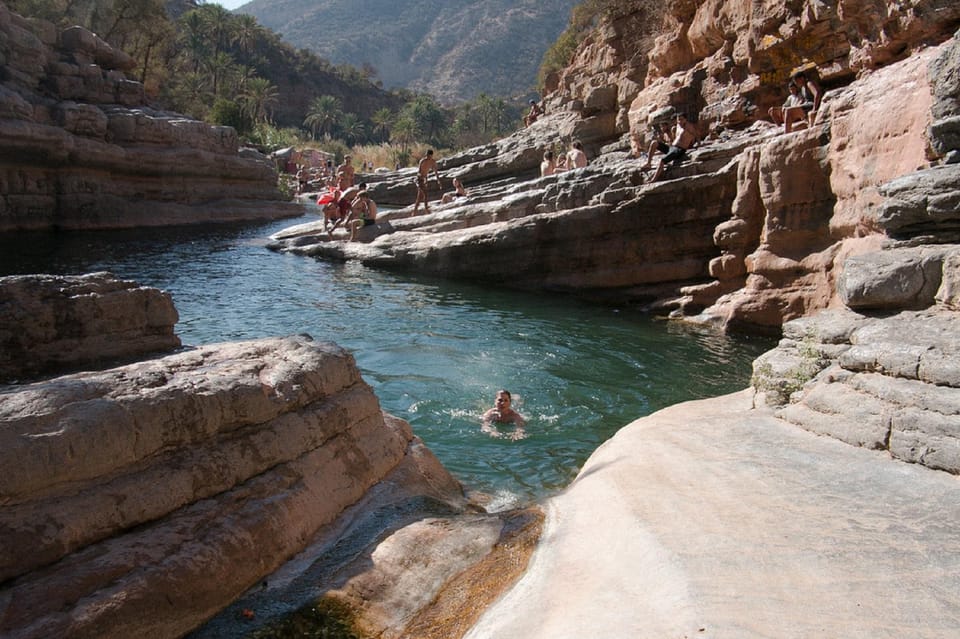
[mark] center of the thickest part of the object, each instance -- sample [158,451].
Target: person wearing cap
[535,112]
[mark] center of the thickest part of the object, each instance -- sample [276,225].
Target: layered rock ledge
[52,324]
[753,231]
[82,149]
[221,489]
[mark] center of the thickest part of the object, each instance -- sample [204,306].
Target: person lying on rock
[502,413]
[684,137]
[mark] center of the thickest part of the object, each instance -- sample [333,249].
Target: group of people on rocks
[350,206]
[575,158]
[799,109]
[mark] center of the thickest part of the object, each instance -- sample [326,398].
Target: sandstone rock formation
[151,496]
[219,489]
[82,149]
[51,324]
[750,233]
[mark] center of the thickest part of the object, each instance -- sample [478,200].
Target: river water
[434,351]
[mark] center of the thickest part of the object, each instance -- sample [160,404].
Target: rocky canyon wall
[754,229]
[83,150]
[216,491]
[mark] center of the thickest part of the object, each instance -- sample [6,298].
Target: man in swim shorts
[365,211]
[427,164]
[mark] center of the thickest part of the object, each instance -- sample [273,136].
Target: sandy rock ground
[712,519]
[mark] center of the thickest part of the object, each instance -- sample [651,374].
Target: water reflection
[434,351]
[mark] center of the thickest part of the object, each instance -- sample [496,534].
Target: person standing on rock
[346,173]
[576,158]
[503,413]
[427,164]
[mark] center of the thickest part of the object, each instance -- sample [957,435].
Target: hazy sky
[230,4]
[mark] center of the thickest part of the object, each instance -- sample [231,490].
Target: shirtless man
[345,206]
[346,173]
[365,211]
[549,165]
[576,158]
[502,413]
[427,164]
[684,137]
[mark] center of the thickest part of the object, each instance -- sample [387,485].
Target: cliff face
[755,228]
[455,49]
[725,62]
[82,150]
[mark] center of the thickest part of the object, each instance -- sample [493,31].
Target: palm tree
[351,128]
[382,120]
[258,97]
[219,66]
[324,113]
[404,132]
[246,31]
[219,25]
[194,37]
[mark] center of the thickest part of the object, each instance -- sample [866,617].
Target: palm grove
[225,68]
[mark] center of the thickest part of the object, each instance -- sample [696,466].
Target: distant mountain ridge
[453,49]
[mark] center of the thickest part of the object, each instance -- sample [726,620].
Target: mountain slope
[454,49]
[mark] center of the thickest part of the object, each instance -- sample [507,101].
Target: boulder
[153,495]
[50,324]
[889,382]
[894,279]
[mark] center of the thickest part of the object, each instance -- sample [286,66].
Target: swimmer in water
[502,413]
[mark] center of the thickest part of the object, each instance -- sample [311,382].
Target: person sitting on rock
[684,137]
[365,213]
[535,112]
[549,164]
[345,206]
[793,100]
[503,413]
[458,191]
[576,158]
[810,96]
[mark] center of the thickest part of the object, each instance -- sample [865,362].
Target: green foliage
[227,69]
[269,137]
[323,620]
[324,114]
[230,113]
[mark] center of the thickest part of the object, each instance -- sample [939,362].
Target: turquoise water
[434,351]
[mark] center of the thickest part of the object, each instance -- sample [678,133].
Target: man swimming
[502,413]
